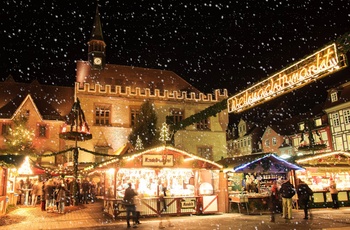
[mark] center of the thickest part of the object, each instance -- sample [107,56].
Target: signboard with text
[159,160]
[313,67]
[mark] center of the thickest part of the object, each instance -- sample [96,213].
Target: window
[5,129]
[318,122]
[274,141]
[301,126]
[347,116]
[203,124]
[205,152]
[334,97]
[267,142]
[42,130]
[134,116]
[176,116]
[102,114]
[101,149]
[335,119]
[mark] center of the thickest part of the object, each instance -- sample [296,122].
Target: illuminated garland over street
[72,149]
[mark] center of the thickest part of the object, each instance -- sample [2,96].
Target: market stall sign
[313,67]
[188,204]
[163,160]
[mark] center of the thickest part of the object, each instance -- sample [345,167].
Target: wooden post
[223,193]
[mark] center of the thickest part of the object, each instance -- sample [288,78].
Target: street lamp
[75,129]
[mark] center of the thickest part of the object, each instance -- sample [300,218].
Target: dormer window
[318,122]
[301,126]
[334,97]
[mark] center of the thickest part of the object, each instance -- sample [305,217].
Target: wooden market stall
[319,169]
[168,180]
[250,178]
[17,170]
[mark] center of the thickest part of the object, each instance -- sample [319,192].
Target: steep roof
[133,77]
[53,102]
[343,95]
[96,33]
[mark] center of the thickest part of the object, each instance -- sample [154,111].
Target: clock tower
[96,45]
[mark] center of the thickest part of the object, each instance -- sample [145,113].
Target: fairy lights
[313,67]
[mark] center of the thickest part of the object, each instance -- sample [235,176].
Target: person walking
[287,191]
[130,205]
[334,193]
[304,192]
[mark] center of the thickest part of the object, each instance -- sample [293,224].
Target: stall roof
[175,157]
[331,159]
[182,159]
[268,163]
[17,160]
[231,162]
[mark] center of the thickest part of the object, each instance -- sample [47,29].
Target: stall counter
[155,206]
[251,202]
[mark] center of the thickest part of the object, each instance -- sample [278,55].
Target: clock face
[97,61]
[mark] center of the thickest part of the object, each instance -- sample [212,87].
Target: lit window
[347,116]
[102,114]
[274,141]
[205,152]
[318,122]
[301,126]
[334,97]
[267,142]
[335,119]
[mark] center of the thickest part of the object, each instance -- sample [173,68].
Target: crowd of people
[55,194]
[282,195]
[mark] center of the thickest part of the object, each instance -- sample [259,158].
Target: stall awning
[17,160]
[269,163]
[331,159]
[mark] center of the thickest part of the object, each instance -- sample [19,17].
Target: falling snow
[211,44]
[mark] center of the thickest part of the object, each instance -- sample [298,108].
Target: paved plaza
[90,216]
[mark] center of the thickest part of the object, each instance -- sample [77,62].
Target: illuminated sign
[295,76]
[158,160]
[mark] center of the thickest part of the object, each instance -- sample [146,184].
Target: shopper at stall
[36,191]
[287,192]
[334,193]
[61,197]
[130,205]
[304,192]
[19,190]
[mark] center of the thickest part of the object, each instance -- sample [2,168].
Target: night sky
[211,44]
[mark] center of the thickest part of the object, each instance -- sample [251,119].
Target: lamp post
[78,131]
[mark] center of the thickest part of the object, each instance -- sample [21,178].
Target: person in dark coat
[287,191]
[130,205]
[304,192]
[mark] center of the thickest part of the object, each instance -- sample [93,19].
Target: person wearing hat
[130,205]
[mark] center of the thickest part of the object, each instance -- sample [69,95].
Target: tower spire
[96,45]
